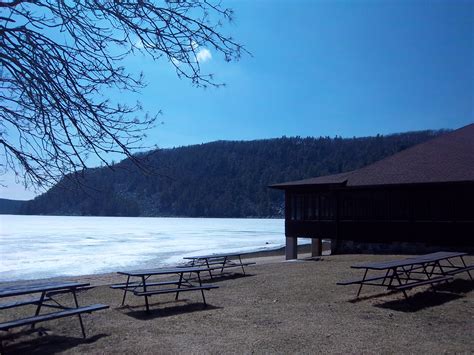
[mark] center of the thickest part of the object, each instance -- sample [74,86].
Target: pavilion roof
[447,158]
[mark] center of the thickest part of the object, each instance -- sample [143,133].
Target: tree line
[218,179]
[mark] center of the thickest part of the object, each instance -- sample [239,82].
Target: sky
[319,68]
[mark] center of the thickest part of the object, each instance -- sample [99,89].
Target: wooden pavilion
[422,195]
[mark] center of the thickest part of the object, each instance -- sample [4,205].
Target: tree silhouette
[58,59]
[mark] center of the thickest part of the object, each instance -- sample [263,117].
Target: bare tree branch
[59,57]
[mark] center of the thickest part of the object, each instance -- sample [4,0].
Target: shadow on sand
[138,312]
[371,296]
[430,298]
[44,344]
[223,277]
[459,286]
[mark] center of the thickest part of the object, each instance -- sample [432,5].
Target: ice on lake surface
[33,247]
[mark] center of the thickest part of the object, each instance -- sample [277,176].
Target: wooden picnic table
[47,291]
[146,287]
[218,262]
[404,274]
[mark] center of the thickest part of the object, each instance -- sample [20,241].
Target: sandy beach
[279,307]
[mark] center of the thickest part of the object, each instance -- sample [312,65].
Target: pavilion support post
[316,247]
[291,249]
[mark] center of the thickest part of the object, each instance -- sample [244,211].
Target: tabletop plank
[384,265]
[27,288]
[210,256]
[163,271]
[415,260]
[440,255]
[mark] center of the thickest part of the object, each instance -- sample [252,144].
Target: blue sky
[347,68]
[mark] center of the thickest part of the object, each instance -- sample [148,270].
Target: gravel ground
[280,307]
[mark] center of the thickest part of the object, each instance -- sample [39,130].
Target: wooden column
[316,247]
[291,249]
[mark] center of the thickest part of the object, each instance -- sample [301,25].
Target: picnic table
[146,286]
[46,299]
[218,262]
[404,274]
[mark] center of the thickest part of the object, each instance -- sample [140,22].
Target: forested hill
[10,206]
[218,179]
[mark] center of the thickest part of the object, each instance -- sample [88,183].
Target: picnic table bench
[146,287]
[47,291]
[218,262]
[401,275]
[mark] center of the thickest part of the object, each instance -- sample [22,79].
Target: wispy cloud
[203,55]
[175,61]
[139,44]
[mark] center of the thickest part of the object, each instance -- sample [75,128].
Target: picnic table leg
[392,276]
[223,265]
[38,308]
[179,285]
[408,273]
[210,272]
[202,291]
[242,265]
[434,265]
[428,275]
[146,297]
[464,264]
[399,282]
[433,269]
[442,270]
[385,277]
[125,290]
[362,283]
[403,272]
[440,267]
[80,318]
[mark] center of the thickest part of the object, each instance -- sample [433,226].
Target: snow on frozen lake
[34,247]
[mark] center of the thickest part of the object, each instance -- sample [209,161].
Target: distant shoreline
[88,216]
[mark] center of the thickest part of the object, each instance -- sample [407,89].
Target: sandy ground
[279,307]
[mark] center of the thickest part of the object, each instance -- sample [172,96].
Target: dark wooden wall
[430,213]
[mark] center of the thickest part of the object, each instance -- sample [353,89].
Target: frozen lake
[34,247]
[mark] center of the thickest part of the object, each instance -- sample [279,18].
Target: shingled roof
[448,158]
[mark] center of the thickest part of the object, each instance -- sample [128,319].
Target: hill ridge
[216,179]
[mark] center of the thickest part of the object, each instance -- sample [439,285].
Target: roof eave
[290,186]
